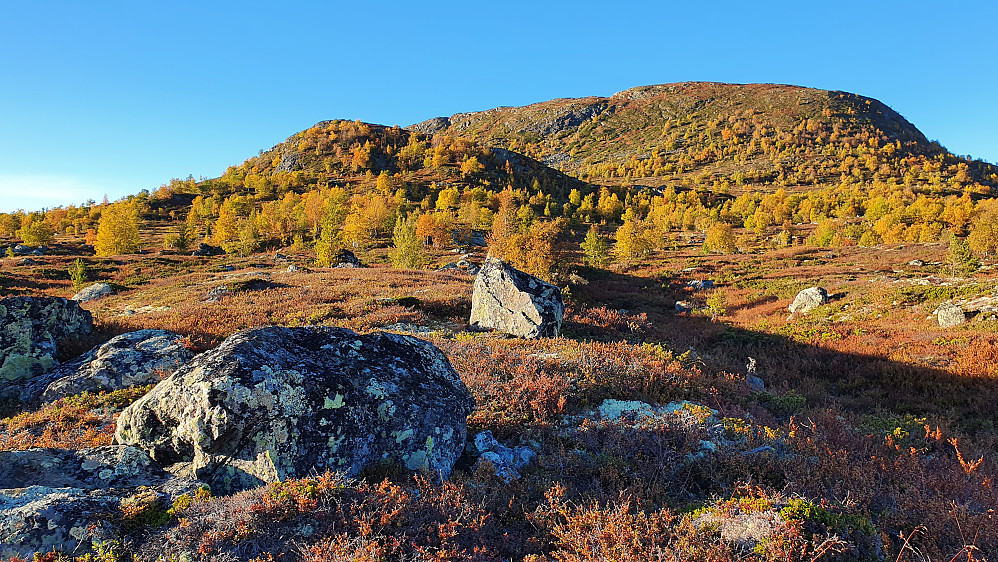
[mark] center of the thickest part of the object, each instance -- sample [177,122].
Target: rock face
[30,328]
[949,315]
[93,292]
[59,499]
[135,358]
[43,518]
[274,403]
[513,302]
[809,299]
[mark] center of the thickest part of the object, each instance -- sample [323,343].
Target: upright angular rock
[274,403]
[513,302]
[30,328]
[809,299]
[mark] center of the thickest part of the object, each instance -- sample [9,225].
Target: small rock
[683,306]
[463,263]
[346,258]
[755,383]
[293,268]
[916,263]
[207,250]
[701,284]
[28,261]
[809,299]
[448,267]
[949,315]
[93,292]
[216,294]
[280,257]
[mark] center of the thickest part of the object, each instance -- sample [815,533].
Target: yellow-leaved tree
[118,229]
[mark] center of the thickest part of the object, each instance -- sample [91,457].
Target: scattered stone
[916,263]
[346,258]
[281,257]
[683,306]
[513,302]
[274,403]
[93,292]
[224,268]
[293,268]
[132,359]
[700,284]
[448,267]
[463,263]
[30,328]
[216,294]
[28,261]
[146,309]
[755,383]
[949,315]
[21,250]
[809,299]
[507,462]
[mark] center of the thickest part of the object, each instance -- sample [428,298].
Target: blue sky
[112,97]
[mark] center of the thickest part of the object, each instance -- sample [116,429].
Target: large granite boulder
[808,299]
[274,403]
[93,292]
[135,358]
[30,328]
[513,302]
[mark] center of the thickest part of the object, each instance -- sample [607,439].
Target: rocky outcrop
[135,358]
[513,302]
[112,466]
[949,315]
[93,292]
[59,499]
[507,462]
[808,299]
[30,328]
[275,403]
[40,519]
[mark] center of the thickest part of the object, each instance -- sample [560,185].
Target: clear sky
[109,98]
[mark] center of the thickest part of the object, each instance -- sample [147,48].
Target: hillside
[757,133]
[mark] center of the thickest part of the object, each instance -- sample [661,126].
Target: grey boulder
[809,299]
[274,403]
[515,303]
[949,315]
[30,329]
[93,292]
[111,466]
[135,358]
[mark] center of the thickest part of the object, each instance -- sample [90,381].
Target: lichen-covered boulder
[513,302]
[809,299]
[93,292]
[346,258]
[135,358]
[30,328]
[949,315]
[274,403]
